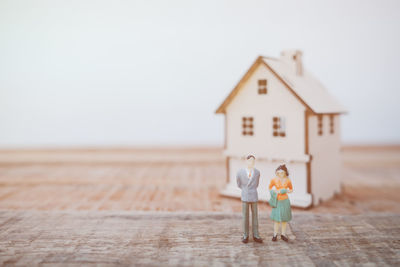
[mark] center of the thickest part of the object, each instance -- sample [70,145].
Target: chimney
[293,57]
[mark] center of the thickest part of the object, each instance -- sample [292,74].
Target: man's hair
[250,156]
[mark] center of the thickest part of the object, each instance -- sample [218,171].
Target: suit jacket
[248,185]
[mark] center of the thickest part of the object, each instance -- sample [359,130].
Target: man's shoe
[284,238]
[274,238]
[245,240]
[257,239]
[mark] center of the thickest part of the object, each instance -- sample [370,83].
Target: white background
[125,73]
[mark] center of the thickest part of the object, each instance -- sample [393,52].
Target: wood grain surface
[108,238]
[161,207]
[172,179]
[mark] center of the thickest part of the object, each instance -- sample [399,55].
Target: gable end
[234,92]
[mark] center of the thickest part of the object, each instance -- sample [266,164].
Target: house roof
[305,87]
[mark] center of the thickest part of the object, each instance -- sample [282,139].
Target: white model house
[281,114]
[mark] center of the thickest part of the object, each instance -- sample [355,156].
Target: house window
[331,124]
[278,128]
[247,126]
[262,87]
[320,125]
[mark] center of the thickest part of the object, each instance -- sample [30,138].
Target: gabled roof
[305,87]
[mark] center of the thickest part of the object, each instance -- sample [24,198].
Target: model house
[280,113]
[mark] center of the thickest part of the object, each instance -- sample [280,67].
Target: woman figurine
[281,213]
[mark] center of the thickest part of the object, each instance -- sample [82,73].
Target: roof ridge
[273,58]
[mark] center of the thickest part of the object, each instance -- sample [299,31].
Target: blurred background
[111,103]
[102,73]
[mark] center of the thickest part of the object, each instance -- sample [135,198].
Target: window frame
[331,124]
[278,126]
[320,125]
[262,86]
[247,125]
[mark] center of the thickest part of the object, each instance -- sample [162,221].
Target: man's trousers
[254,218]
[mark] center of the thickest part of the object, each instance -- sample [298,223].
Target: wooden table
[108,238]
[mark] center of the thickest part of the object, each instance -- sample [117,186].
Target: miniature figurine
[281,211]
[247,180]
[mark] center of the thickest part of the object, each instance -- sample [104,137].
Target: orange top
[278,185]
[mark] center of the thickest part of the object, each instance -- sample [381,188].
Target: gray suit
[248,186]
[249,198]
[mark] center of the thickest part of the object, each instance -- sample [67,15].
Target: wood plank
[193,239]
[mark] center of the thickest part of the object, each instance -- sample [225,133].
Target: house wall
[326,162]
[279,101]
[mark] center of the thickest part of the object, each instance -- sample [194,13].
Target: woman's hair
[250,156]
[283,168]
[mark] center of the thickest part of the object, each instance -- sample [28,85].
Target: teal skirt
[282,212]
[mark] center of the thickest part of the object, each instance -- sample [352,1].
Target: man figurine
[247,179]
